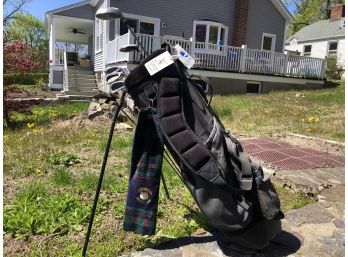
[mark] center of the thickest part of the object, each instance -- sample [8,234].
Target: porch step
[82,82]
[74,92]
[80,71]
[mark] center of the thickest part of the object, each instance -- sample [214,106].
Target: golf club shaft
[106,154]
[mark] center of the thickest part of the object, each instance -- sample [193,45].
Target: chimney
[240,22]
[337,12]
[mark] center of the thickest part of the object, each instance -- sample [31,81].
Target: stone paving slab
[311,180]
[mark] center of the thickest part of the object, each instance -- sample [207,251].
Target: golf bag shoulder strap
[191,150]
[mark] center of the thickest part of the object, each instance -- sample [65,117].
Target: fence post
[323,68]
[65,72]
[130,57]
[243,57]
[285,68]
[193,47]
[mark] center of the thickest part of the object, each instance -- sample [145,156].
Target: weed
[35,211]
[292,200]
[87,182]
[62,177]
[63,158]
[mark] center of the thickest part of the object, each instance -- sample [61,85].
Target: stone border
[331,142]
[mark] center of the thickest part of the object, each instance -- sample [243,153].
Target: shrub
[333,70]
[25,78]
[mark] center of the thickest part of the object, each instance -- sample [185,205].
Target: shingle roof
[323,29]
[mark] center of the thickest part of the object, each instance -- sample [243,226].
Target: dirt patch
[327,147]
[15,91]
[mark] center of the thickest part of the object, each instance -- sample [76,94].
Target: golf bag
[230,189]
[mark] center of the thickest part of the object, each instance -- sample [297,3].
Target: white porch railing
[224,58]
[113,49]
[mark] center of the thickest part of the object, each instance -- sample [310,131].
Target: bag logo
[144,195]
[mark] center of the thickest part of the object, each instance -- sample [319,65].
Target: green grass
[66,161]
[317,113]
[43,114]
[292,200]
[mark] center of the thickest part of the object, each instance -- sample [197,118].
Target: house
[237,44]
[322,39]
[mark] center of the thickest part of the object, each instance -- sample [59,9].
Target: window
[253,87]
[147,28]
[210,32]
[139,25]
[268,42]
[99,34]
[333,48]
[132,23]
[307,49]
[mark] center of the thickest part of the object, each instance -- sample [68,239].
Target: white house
[321,39]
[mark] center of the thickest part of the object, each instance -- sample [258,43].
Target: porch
[222,58]
[71,53]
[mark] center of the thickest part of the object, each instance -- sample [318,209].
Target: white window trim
[208,24]
[274,40]
[155,21]
[99,35]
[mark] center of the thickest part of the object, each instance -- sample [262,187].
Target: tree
[30,30]
[11,8]
[27,28]
[310,11]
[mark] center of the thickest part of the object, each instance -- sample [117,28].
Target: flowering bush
[19,57]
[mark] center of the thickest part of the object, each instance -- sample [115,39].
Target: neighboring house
[321,39]
[232,41]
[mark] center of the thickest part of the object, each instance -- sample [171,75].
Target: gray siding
[85,11]
[99,57]
[264,17]
[180,14]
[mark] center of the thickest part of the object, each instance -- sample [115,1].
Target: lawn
[52,162]
[318,113]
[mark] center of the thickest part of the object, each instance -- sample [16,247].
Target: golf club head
[117,86]
[129,48]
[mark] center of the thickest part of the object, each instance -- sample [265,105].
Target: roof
[283,10]
[324,29]
[67,7]
[277,3]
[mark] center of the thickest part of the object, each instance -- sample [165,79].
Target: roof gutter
[93,2]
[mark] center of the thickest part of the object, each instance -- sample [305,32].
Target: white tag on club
[184,57]
[159,63]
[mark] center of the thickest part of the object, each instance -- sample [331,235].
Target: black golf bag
[229,188]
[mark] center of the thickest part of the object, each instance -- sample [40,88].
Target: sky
[38,8]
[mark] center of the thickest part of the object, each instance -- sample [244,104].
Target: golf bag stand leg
[100,181]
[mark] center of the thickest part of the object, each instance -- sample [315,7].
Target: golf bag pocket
[263,195]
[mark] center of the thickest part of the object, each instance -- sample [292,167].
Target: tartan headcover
[145,175]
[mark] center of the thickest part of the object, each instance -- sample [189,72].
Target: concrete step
[85,86]
[87,72]
[76,74]
[78,93]
[82,81]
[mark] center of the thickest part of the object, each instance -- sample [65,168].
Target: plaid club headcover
[145,175]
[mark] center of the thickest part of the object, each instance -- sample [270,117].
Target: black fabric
[215,168]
